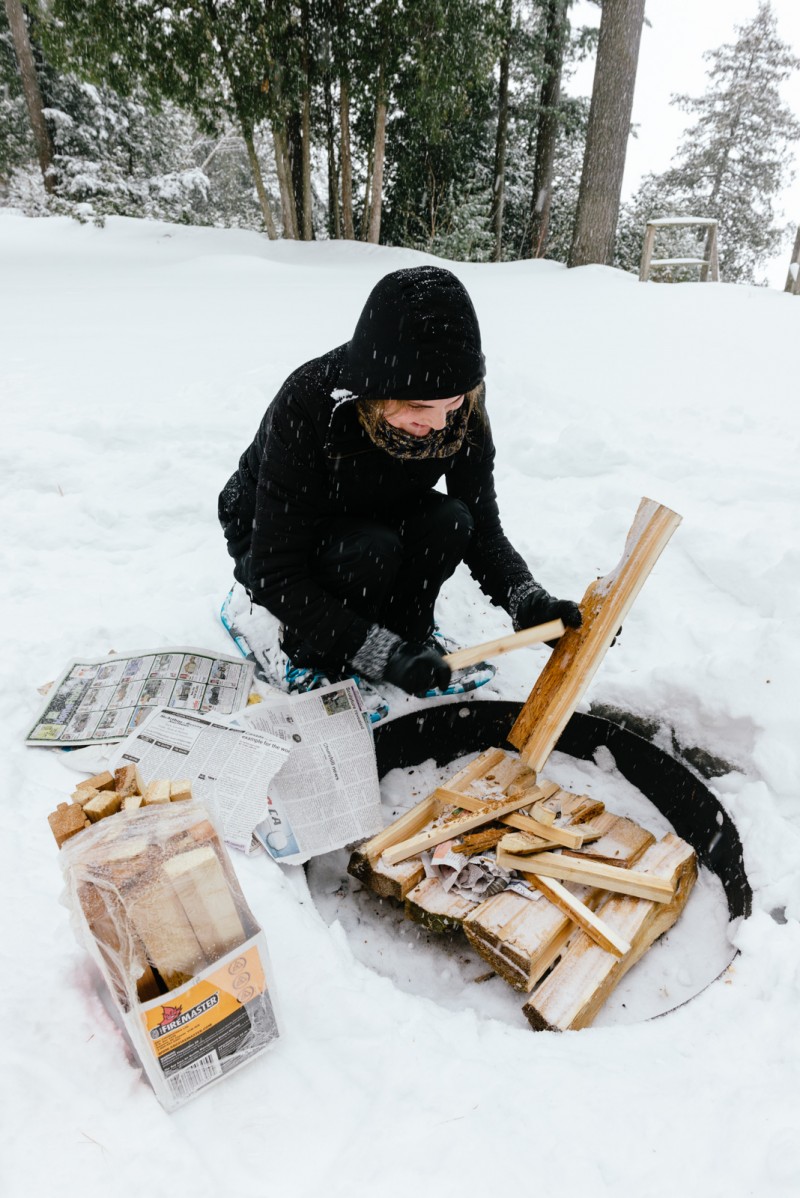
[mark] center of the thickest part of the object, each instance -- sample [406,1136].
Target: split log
[393,881]
[437,909]
[522,937]
[104,781]
[128,781]
[157,791]
[105,802]
[620,841]
[590,873]
[576,658]
[570,997]
[481,841]
[202,888]
[162,925]
[121,951]
[84,794]
[67,820]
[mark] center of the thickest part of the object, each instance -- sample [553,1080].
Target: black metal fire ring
[450,731]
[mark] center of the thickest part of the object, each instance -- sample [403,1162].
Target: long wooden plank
[484,815]
[570,997]
[575,660]
[589,873]
[594,927]
[537,635]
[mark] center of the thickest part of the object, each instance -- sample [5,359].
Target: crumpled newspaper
[475,878]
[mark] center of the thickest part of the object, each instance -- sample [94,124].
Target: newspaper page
[328,794]
[230,768]
[102,701]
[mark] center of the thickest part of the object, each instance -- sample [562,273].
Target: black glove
[539,607]
[416,668]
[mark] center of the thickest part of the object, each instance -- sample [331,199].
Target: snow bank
[136,362]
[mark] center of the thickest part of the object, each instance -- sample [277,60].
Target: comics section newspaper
[103,701]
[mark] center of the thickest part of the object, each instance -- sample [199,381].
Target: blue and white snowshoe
[256,634]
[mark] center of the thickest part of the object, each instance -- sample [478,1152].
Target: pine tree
[735,159]
[221,60]
[440,138]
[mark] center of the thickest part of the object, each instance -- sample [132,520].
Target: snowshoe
[256,634]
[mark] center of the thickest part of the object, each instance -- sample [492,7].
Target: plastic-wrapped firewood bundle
[155,900]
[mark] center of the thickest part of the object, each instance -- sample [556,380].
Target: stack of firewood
[153,887]
[105,794]
[585,906]
[582,915]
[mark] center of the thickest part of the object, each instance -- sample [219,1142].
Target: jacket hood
[417,338]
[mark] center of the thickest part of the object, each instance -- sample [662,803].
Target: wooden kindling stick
[505,644]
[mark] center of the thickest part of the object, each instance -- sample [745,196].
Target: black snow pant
[389,573]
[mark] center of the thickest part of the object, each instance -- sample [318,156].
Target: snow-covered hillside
[135,364]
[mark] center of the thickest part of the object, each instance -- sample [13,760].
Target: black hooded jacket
[312,461]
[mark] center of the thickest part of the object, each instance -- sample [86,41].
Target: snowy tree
[440,133]
[232,61]
[735,159]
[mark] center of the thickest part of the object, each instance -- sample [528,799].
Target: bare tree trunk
[793,280]
[499,180]
[308,222]
[556,35]
[284,169]
[31,90]
[258,179]
[608,132]
[334,213]
[367,193]
[378,156]
[346,160]
[294,149]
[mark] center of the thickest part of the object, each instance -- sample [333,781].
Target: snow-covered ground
[135,363]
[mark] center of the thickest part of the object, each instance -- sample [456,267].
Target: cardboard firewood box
[155,900]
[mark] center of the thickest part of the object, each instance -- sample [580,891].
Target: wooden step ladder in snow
[793,277]
[709,263]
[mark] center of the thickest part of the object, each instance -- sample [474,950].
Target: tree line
[444,125]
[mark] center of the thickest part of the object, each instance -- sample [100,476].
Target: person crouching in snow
[332,518]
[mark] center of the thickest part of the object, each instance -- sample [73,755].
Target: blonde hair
[372,412]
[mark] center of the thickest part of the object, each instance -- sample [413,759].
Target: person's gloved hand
[539,607]
[416,668]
